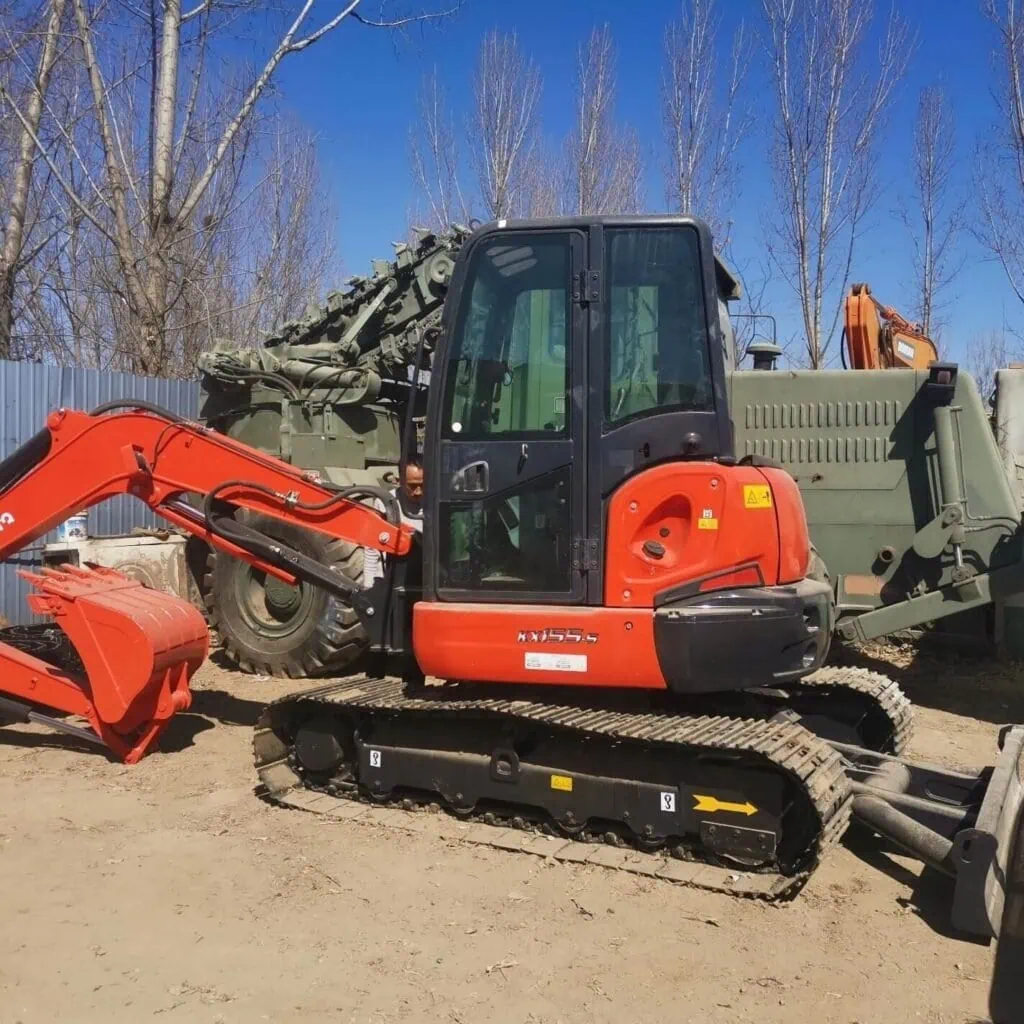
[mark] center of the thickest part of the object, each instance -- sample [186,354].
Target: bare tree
[267,265]
[831,100]
[237,279]
[543,179]
[988,352]
[704,123]
[434,156]
[937,218]
[1000,163]
[171,144]
[506,88]
[603,166]
[13,256]
[752,319]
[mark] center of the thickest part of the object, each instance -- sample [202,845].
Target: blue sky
[358,87]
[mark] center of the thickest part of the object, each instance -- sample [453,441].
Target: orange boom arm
[138,647]
[878,337]
[87,459]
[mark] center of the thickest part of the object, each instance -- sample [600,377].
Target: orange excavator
[613,627]
[878,337]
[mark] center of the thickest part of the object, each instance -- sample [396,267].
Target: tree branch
[71,193]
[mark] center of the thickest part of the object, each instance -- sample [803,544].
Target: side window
[508,369]
[518,540]
[657,357]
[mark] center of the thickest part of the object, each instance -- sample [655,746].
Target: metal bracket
[504,765]
[584,554]
[586,286]
[755,845]
[932,538]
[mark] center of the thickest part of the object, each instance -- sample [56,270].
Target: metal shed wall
[29,392]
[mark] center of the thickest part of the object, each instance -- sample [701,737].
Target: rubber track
[789,746]
[885,693]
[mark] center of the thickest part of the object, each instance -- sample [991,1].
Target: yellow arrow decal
[712,803]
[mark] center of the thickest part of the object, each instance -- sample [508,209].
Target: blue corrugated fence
[30,391]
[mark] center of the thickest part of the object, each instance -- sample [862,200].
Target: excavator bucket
[136,649]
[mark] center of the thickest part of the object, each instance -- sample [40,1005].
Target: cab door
[506,461]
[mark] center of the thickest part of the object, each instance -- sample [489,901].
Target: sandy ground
[168,890]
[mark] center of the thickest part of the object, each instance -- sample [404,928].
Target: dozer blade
[960,823]
[138,649]
[1006,996]
[982,853]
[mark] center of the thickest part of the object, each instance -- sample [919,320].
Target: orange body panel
[537,644]
[708,518]
[714,526]
[794,536]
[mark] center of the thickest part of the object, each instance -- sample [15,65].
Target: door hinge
[584,554]
[586,286]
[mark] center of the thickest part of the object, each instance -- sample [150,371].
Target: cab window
[657,357]
[508,369]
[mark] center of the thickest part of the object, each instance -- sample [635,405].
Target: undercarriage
[743,796]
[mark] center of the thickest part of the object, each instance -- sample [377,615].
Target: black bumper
[738,639]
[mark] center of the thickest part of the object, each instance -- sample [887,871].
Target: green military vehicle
[910,504]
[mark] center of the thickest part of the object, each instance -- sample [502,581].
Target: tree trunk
[151,355]
[14,235]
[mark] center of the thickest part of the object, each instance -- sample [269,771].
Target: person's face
[413,485]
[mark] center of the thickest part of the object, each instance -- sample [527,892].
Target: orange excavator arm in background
[878,337]
[135,649]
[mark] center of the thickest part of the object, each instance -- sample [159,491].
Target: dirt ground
[169,890]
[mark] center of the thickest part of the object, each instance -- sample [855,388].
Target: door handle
[472,479]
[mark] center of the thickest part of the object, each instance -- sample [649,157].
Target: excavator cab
[608,361]
[581,480]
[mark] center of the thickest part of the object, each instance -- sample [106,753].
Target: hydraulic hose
[392,512]
[137,403]
[285,557]
[258,544]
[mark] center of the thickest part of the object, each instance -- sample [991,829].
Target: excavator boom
[879,338]
[82,459]
[135,649]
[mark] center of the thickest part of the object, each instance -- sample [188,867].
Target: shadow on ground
[13,736]
[221,660]
[931,893]
[975,685]
[209,709]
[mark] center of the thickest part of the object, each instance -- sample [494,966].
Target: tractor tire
[268,627]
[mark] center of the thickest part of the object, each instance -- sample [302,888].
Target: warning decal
[757,496]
